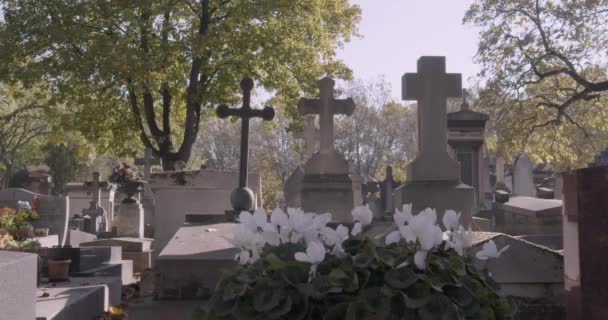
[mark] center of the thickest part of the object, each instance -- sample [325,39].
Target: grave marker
[97,216]
[147,162]
[523,178]
[242,198]
[310,134]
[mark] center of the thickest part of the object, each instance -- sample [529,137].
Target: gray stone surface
[292,191]
[529,216]
[53,211]
[130,220]
[179,194]
[434,176]
[78,299]
[76,237]
[137,250]
[329,193]
[195,257]
[523,178]
[17,285]
[525,269]
[48,241]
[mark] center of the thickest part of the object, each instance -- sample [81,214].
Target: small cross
[310,134]
[242,197]
[326,107]
[430,87]
[465,104]
[147,161]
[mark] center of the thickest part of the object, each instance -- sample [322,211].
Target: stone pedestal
[18,285]
[439,195]
[130,220]
[323,193]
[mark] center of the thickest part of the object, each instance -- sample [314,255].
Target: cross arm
[344,106]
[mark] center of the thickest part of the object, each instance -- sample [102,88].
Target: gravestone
[53,211]
[585,233]
[386,192]
[18,285]
[292,191]
[130,219]
[148,201]
[243,198]
[434,176]
[327,186]
[523,178]
[96,217]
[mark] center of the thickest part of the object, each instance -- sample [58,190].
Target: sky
[395,33]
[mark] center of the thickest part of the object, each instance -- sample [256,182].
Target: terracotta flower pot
[59,269]
[131,188]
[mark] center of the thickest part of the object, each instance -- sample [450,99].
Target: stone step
[122,269]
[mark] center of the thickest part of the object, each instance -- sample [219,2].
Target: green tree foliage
[64,164]
[23,128]
[544,69]
[151,68]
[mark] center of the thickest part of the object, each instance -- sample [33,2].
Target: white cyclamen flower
[403,216]
[256,221]
[424,228]
[451,220]
[490,251]
[341,235]
[315,253]
[459,240]
[249,242]
[356,229]
[362,214]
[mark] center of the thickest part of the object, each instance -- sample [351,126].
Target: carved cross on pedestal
[310,134]
[388,191]
[242,198]
[431,86]
[326,107]
[95,209]
[147,162]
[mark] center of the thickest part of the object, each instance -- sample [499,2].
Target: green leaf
[232,290]
[356,311]
[417,295]
[266,297]
[400,278]
[336,312]
[459,295]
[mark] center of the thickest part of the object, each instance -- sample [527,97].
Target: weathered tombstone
[311,135]
[466,136]
[292,191]
[53,211]
[96,217]
[523,178]
[434,176]
[18,285]
[585,232]
[327,186]
[130,219]
[148,201]
[242,198]
[386,192]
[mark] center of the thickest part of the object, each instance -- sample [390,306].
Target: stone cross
[326,107]
[95,210]
[242,198]
[431,86]
[147,161]
[310,134]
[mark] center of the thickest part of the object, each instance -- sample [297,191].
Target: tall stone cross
[310,134]
[147,162]
[326,106]
[242,198]
[431,86]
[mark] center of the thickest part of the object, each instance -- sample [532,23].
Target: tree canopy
[152,68]
[544,71]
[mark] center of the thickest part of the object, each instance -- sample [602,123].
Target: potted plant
[294,266]
[58,269]
[18,221]
[127,181]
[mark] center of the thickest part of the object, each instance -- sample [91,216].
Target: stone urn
[131,189]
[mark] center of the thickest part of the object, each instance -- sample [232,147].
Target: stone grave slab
[76,237]
[195,257]
[48,241]
[434,175]
[17,285]
[523,176]
[81,298]
[137,250]
[529,216]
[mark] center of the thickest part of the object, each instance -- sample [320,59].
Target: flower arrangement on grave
[17,221]
[126,178]
[294,266]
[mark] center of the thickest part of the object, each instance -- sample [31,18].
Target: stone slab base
[193,259]
[17,285]
[79,298]
[141,260]
[439,195]
[329,193]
